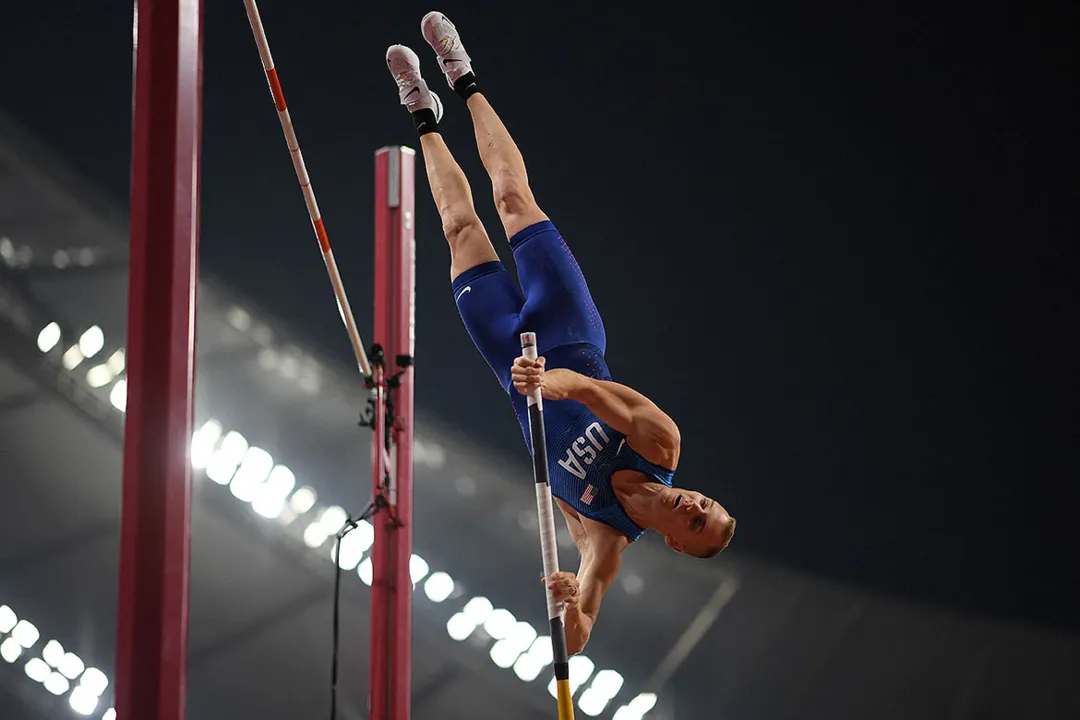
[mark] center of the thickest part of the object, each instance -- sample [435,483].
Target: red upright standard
[391,601]
[151,649]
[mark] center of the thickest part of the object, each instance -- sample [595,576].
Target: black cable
[350,525]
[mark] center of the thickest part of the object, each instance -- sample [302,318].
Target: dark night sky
[832,246]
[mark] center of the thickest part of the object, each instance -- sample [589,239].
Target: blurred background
[863,215]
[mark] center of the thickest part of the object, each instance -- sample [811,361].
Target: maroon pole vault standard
[151,651]
[395,308]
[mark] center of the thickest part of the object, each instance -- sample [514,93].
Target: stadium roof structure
[731,638]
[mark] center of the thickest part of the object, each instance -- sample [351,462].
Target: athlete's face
[693,523]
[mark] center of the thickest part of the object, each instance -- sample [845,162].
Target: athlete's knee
[458,225]
[512,194]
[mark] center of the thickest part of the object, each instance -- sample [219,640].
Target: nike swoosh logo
[467,288]
[620,446]
[447,61]
[415,89]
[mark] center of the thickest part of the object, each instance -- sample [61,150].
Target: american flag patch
[589,495]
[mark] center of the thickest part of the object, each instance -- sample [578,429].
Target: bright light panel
[528,667]
[439,587]
[10,650]
[418,568]
[25,634]
[37,669]
[91,342]
[57,684]
[53,653]
[118,395]
[478,609]
[504,654]
[71,666]
[254,469]
[499,623]
[366,571]
[95,681]
[48,337]
[460,626]
[83,701]
[303,500]
[8,619]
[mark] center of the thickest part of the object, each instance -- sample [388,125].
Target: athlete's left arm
[595,576]
[648,429]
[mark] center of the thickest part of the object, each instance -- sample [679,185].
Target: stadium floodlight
[37,669]
[99,376]
[303,500]
[117,361]
[351,553]
[94,681]
[592,703]
[315,536]
[48,338]
[253,471]
[333,519]
[418,568]
[83,701]
[91,341]
[604,687]
[270,496]
[541,650]
[53,653]
[439,587]
[366,571]
[57,684]
[521,636]
[25,634]
[365,533]
[8,619]
[110,714]
[581,668]
[202,443]
[118,395]
[607,683]
[71,666]
[72,357]
[528,667]
[504,654]
[460,626]
[227,457]
[10,650]
[478,609]
[637,708]
[499,623]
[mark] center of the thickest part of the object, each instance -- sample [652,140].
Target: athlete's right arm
[650,432]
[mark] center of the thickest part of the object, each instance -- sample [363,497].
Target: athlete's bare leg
[469,243]
[509,181]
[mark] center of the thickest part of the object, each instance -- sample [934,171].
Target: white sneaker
[413,91]
[443,38]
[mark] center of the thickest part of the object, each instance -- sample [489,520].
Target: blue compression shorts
[556,305]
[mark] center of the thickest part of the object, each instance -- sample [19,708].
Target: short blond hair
[729,532]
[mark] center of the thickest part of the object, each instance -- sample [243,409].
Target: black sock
[466,85]
[425,121]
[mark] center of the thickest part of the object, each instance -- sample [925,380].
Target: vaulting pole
[547,537]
